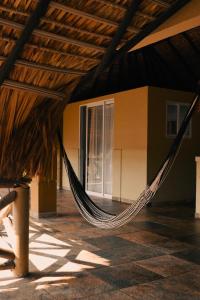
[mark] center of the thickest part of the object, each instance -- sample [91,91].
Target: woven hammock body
[98,217]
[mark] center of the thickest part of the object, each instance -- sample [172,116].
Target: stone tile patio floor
[157,256]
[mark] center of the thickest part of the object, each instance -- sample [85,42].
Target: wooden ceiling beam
[182,60]
[152,26]
[56,23]
[50,35]
[54,51]
[42,67]
[191,43]
[139,13]
[15,85]
[111,50]
[161,3]
[89,16]
[132,42]
[27,31]
[107,58]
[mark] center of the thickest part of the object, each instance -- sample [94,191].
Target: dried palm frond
[28,127]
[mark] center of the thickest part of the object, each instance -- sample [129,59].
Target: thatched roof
[172,63]
[71,39]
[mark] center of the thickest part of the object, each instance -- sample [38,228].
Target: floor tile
[131,253]
[70,259]
[125,275]
[73,288]
[192,255]
[115,295]
[167,265]
[109,242]
[193,239]
[165,289]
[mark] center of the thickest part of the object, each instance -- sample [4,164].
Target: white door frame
[93,104]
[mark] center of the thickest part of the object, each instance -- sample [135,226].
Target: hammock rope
[102,219]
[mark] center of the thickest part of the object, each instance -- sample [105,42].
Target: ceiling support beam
[122,7]
[15,85]
[172,71]
[89,16]
[161,3]
[53,36]
[153,25]
[183,61]
[28,29]
[107,58]
[41,67]
[110,52]
[132,42]
[192,44]
[54,51]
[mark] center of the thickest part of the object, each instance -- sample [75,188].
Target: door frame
[93,104]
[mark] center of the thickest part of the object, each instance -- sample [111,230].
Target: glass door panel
[95,149]
[99,139]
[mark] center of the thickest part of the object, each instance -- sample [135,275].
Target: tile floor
[155,257]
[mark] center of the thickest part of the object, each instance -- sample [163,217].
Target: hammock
[102,219]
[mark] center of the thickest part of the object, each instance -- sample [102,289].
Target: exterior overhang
[185,19]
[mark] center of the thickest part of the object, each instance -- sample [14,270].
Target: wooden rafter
[192,44]
[51,50]
[42,67]
[56,23]
[89,16]
[110,53]
[168,67]
[32,23]
[153,25]
[130,12]
[53,36]
[15,85]
[139,13]
[182,60]
[161,3]
[132,42]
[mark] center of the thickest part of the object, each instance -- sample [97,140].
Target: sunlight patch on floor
[89,257]
[50,239]
[74,267]
[53,252]
[41,262]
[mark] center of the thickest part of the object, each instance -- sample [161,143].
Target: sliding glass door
[99,138]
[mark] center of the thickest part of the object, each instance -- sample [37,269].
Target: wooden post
[21,230]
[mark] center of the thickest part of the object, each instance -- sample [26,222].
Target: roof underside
[73,42]
[172,63]
[70,40]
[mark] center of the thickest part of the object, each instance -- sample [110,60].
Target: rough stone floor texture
[156,257]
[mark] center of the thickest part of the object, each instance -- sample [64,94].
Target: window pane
[171,119]
[95,149]
[182,113]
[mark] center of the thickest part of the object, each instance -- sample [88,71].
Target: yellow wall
[130,144]
[140,143]
[130,141]
[180,183]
